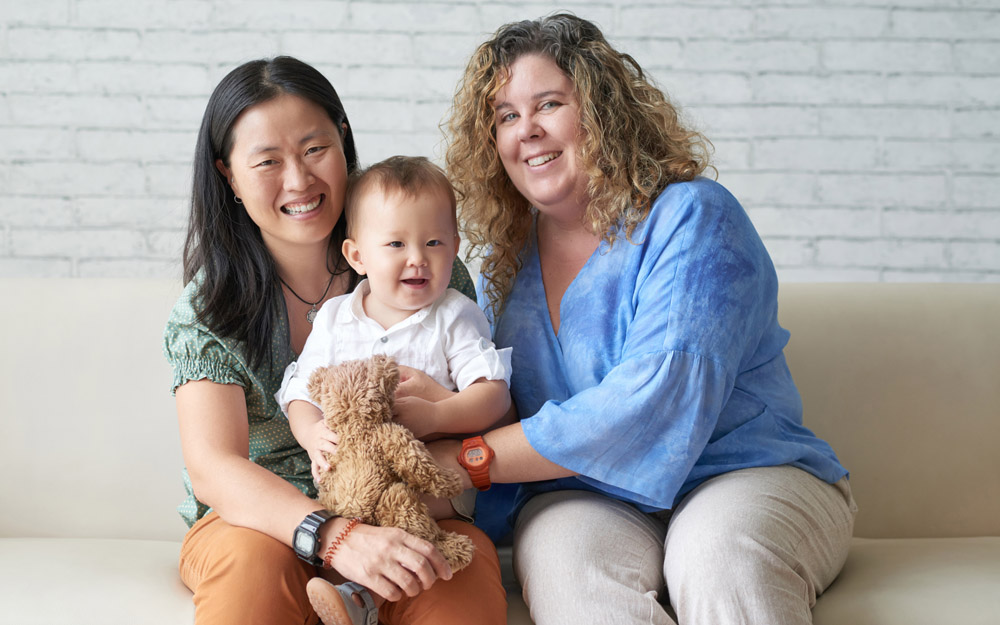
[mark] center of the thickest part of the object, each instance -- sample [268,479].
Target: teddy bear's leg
[456,548]
[415,465]
[444,483]
[400,506]
[327,493]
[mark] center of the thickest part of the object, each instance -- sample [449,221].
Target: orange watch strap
[476,457]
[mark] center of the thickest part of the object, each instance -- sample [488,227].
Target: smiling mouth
[544,158]
[302,208]
[415,281]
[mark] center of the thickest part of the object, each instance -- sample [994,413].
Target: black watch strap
[311,525]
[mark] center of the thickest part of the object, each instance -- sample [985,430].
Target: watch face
[305,542]
[475,456]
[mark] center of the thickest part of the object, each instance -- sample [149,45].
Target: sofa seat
[93,581]
[918,581]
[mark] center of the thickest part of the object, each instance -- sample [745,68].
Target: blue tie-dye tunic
[668,366]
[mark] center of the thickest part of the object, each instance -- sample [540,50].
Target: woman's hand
[387,560]
[416,383]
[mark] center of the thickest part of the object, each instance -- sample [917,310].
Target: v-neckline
[541,281]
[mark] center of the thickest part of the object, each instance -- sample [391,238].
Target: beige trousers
[754,546]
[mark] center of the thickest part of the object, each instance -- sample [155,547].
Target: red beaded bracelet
[328,558]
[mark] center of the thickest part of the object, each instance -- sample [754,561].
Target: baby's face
[405,245]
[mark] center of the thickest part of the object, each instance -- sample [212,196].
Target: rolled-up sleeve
[471,353]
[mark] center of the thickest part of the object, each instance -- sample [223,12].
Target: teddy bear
[380,469]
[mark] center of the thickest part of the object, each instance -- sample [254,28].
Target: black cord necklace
[311,313]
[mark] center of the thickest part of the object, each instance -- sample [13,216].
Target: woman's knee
[239,575]
[775,533]
[560,534]
[576,550]
[724,526]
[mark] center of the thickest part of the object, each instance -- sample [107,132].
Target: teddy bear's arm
[414,464]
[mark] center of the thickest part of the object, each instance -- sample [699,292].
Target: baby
[402,235]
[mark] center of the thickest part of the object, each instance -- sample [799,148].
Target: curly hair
[632,144]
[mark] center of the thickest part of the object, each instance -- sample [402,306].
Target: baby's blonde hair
[410,175]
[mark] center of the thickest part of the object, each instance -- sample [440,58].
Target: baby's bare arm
[309,429]
[476,408]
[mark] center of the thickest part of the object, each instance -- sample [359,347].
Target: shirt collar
[354,311]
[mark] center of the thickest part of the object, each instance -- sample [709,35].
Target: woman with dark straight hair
[239,291]
[263,253]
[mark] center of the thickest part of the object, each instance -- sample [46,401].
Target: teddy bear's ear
[386,372]
[318,383]
[326,385]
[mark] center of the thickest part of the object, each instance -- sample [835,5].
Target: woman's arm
[515,459]
[215,442]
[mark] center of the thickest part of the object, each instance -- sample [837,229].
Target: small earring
[232,181]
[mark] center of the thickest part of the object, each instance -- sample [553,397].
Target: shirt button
[385,339]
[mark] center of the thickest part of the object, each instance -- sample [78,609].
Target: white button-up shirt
[448,340]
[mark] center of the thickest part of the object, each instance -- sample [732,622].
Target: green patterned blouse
[196,353]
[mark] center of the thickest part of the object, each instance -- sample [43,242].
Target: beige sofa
[903,380]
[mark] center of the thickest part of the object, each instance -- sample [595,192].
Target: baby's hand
[323,439]
[417,415]
[416,383]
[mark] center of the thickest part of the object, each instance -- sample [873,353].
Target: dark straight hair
[238,293]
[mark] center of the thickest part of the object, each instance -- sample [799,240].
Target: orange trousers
[240,576]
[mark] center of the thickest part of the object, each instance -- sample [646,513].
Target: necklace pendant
[311,314]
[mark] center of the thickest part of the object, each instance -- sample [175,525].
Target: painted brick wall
[863,136]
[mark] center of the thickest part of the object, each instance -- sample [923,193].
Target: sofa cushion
[915,581]
[92,581]
[902,380]
[87,423]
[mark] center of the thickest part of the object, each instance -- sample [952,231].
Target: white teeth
[545,158]
[298,209]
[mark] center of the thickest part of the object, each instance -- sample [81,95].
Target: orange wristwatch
[476,457]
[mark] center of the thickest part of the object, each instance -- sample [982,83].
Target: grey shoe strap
[370,614]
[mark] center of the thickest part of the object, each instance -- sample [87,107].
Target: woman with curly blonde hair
[632,144]
[660,449]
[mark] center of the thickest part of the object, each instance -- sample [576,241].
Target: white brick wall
[863,136]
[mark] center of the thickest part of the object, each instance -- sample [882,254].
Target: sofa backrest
[904,381]
[89,445]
